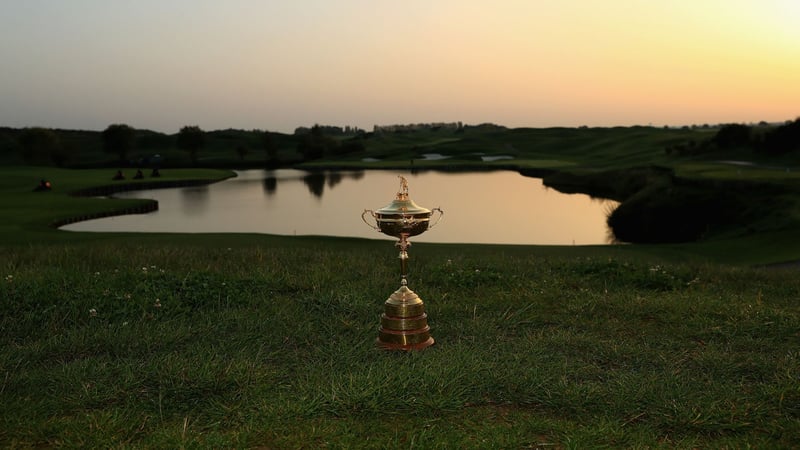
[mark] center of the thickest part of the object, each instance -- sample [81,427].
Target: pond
[501,207]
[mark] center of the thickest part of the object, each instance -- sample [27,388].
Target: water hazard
[501,207]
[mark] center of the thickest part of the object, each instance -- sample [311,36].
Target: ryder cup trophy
[404,324]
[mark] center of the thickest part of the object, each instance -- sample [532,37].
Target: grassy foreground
[243,341]
[198,341]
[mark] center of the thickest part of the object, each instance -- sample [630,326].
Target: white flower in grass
[157,304]
[9,278]
[92,312]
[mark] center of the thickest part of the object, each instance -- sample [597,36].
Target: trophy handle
[441,213]
[365,220]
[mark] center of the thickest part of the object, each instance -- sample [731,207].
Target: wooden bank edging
[147,206]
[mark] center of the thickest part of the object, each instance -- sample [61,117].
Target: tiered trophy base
[404,324]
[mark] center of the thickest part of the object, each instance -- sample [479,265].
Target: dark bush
[676,214]
[783,139]
[733,135]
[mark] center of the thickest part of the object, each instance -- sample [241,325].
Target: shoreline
[146,206]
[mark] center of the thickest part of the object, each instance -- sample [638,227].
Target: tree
[315,144]
[10,146]
[352,145]
[242,151]
[732,135]
[118,139]
[783,139]
[40,145]
[191,139]
[269,146]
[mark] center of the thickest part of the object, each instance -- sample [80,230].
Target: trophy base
[404,324]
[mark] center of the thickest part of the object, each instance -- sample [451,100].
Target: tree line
[44,146]
[64,148]
[316,144]
[762,139]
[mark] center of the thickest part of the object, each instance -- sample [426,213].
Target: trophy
[404,324]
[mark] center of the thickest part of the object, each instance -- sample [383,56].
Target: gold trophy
[404,324]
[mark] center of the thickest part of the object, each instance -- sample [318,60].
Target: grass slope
[226,342]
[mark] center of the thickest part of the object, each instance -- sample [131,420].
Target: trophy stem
[403,243]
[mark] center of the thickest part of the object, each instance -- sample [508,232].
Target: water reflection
[194,200]
[483,207]
[270,185]
[334,178]
[316,183]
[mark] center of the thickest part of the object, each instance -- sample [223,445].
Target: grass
[150,342]
[28,215]
[214,340]
[27,218]
[557,147]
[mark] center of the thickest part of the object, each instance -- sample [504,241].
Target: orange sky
[279,65]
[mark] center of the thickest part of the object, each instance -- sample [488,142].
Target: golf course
[684,333]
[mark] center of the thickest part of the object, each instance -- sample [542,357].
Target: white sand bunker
[495,158]
[434,156]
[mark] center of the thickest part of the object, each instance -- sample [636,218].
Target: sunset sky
[276,65]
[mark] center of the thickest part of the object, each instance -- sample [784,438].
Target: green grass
[114,340]
[226,342]
[590,147]
[27,216]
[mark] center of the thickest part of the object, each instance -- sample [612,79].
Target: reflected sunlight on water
[501,207]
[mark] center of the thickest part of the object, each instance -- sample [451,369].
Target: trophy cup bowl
[402,218]
[404,323]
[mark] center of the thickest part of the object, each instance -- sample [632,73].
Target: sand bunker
[434,156]
[495,158]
